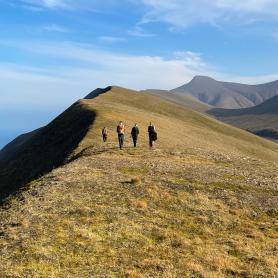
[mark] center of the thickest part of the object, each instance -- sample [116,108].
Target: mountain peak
[97,92]
[227,94]
[202,78]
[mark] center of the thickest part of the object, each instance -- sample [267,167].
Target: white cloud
[111,39]
[133,71]
[183,13]
[88,5]
[260,79]
[47,3]
[56,28]
[138,31]
[90,67]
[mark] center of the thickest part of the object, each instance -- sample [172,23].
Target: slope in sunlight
[181,99]
[35,154]
[203,204]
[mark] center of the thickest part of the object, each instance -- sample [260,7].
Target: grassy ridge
[178,127]
[204,204]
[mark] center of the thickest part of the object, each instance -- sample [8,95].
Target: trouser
[151,141]
[121,138]
[134,138]
[104,136]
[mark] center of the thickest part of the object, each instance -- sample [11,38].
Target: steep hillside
[203,204]
[227,94]
[32,155]
[261,119]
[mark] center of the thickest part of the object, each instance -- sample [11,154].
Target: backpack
[151,129]
[154,135]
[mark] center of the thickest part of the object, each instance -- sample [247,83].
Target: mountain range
[261,119]
[250,107]
[227,94]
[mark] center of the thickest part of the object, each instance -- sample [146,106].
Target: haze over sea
[13,124]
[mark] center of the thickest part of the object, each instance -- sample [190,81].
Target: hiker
[121,134]
[134,134]
[104,134]
[152,135]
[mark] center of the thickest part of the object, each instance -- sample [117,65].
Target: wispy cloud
[88,5]
[47,3]
[180,13]
[183,13]
[111,39]
[55,28]
[88,67]
[138,31]
[95,67]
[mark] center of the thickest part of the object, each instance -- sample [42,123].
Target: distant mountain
[261,119]
[226,94]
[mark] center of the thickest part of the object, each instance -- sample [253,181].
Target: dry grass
[136,180]
[140,204]
[175,224]
[195,208]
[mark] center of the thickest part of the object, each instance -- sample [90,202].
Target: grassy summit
[204,204]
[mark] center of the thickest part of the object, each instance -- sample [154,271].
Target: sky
[53,52]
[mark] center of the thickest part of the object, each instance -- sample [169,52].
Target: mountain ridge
[202,204]
[68,133]
[227,94]
[108,213]
[261,120]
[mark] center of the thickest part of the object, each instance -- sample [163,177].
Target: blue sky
[53,52]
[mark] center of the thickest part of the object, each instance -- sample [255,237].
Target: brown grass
[136,180]
[202,209]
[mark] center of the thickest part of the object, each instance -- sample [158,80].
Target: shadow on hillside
[47,149]
[267,133]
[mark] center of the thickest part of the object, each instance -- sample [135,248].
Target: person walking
[152,135]
[104,134]
[134,134]
[121,134]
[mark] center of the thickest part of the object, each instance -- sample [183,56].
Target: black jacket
[135,131]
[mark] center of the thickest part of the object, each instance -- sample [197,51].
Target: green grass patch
[273,213]
[234,177]
[228,186]
[132,171]
[178,181]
